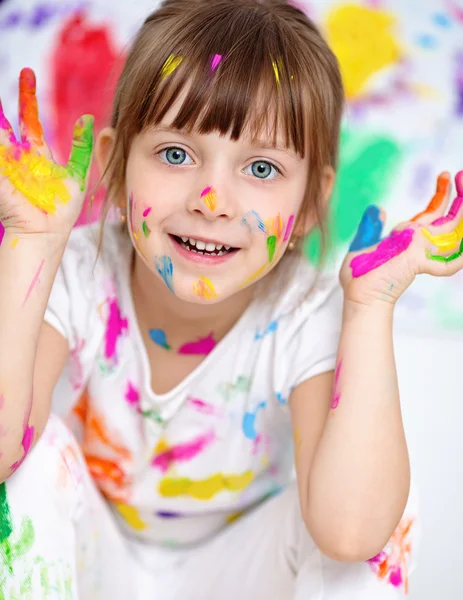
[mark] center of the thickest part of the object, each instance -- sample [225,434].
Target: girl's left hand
[382,268]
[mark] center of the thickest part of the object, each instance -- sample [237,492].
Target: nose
[211,203]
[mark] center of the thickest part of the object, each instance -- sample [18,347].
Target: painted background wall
[402,64]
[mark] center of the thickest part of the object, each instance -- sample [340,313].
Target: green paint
[271,247]
[446,259]
[368,166]
[146,229]
[229,390]
[81,151]
[6,527]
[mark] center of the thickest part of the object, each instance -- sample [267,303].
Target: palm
[36,194]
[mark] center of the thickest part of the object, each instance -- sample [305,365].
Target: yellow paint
[262,270]
[40,181]
[364,43]
[231,518]
[204,489]
[204,288]
[274,226]
[170,65]
[446,241]
[14,242]
[161,446]
[131,516]
[210,199]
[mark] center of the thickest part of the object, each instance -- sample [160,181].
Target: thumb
[81,150]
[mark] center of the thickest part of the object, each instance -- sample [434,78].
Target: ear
[308,222]
[103,147]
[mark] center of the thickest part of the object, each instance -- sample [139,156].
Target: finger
[446,242]
[81,150]
[7,135]
[456,204]
[29,123]
[369,230]
[439,200]
[445,265]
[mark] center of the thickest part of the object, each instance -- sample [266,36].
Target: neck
[158,307]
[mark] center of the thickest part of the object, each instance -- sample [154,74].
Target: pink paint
[28,437]
[115,327]
[206,191]
[216,60]
[76,375]
[132,395]
[336,388]
[454,210]
[289,227]
[147,211]
[389,248]
[203,346]
[34,282]
[182,452]
[201,406]
[378,559]
[395,576]
[2,232]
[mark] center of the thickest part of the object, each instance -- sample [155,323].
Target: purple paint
[2,232]
[115,327]
[459,82]
[165,514]
[202,346]
[132,395]
[216,60]
[147,211]
[336,391]
[389,248]
[182,452]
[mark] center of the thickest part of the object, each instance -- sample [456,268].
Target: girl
[191,346]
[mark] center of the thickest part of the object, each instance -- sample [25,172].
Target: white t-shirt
[177,467]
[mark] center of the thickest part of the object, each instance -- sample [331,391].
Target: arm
[32,354]
[355,482]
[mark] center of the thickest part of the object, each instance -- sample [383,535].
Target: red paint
[84,66]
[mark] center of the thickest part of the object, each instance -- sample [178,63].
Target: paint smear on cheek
[253,221]
[289,228]
[388,249]
[165,269]
[204,288]
[202,346]
[209,197]
[271,247]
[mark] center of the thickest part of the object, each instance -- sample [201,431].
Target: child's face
[209,215]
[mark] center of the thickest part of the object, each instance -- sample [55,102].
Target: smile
[202,251]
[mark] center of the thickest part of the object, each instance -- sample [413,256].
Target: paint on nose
[210,198]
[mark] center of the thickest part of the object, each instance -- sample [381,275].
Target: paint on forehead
[204,288]
[166,270]
[253,221]
[216,60]
[388,249]
[171,64]
[209,196]
[289,228]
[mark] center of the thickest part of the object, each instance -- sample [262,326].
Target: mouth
[201,250]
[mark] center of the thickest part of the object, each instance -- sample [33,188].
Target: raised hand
[36,194]
[430,242]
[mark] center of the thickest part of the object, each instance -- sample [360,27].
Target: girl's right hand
[36,194]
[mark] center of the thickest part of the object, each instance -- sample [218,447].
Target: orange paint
[28,109]
[442,188]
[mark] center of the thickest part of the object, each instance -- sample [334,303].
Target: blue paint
[427,41]
[165,514]
[271,328]
[166,270]
[159,337]
[249,422]
[281,399]
[442,20]
[253,221]
[369,231]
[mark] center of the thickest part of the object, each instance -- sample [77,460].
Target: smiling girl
[196,355]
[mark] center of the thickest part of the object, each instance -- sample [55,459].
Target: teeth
[203,246]
[184,240]
[227,247]
[192,242]
[211,247]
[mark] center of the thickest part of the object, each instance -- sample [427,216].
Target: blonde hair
[271,50]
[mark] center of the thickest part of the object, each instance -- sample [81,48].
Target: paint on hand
[394,245]
[81,150]
[369,230]
[165,455]
[203,346]
[446,259]
[289,228]
[249,421]
[442,189]
[204,288]
[166,270]
[216,60]
[209,196]
[271,328]
[170,65]
[253,221]
[131,516]
[204,489]
[116,326]
[336,388]
[159,337]
[271,247]
[446,242]
[456,204]
[132,394]
[33,282]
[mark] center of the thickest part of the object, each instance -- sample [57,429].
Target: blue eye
[175,156]
[263,170]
